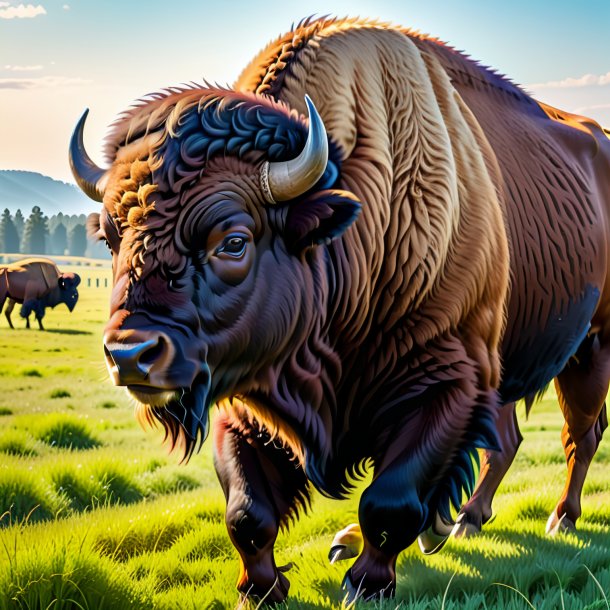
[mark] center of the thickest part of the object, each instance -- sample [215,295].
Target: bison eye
[233,245]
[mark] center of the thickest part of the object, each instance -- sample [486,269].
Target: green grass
[59,430]
[31,373]
[95,514]
[17,442]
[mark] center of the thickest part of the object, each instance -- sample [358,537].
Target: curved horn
[87,174]
[284,180]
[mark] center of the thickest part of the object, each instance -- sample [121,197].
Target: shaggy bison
[364,287]
[38,284]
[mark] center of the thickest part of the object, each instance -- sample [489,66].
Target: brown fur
[482,227]
[542,189]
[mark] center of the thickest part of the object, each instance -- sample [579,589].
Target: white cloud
[23,68]
[585,109]
[44,82]
[21,11]
[587,80]
[66,7]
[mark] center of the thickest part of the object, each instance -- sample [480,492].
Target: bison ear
[320,218]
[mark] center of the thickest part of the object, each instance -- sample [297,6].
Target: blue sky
[58,57]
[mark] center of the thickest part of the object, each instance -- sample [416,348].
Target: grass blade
[447,590]
[529,603]
[599,587]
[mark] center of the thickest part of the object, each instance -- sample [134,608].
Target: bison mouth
[154,397]
[183,413]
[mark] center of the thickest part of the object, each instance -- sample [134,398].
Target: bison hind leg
[494,466]
[460,477]
[8,311]
[581,389]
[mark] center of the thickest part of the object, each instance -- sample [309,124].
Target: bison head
[213,208]
[68,294]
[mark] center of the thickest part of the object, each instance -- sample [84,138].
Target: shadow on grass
[536,564]
[482,573]
[68,331]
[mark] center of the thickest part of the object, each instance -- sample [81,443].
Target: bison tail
[3,287]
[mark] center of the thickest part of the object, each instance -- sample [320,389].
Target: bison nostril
[132,363]
[149,356]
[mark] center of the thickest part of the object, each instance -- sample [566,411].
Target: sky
[58,57]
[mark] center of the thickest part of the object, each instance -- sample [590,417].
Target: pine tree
[78,240]
[19,221]
[9,238]
[35,233]
[59,239]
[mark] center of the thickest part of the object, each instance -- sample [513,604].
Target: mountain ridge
[22,189]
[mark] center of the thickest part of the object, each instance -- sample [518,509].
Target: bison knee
[251,529]
[391,516]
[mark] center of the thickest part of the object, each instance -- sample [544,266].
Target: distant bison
[38,284]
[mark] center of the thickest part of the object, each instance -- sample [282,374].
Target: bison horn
[284,180]
[87,174]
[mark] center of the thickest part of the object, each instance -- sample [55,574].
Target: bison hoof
[266,594]
[347,544]
[365,590]
[465,528]
[430,542]
[433,539]
[559,525]
[339,552]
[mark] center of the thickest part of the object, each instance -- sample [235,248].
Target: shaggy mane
[163,110]
[196,125]
[266,72]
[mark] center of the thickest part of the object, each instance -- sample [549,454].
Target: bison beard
[360,321]
[185,420]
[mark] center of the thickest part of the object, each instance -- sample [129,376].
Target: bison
[38,284]
[365,288]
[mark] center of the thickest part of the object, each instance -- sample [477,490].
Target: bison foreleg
[39,310]
[494,466]
[264,486]
[391,515]
[33,306]
[424,470]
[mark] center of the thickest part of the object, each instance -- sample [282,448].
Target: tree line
[60,234]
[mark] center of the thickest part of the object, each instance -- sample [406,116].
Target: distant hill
[24,190]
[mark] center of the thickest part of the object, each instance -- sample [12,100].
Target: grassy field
[96,514]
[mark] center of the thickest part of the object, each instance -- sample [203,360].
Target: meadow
[97,514]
